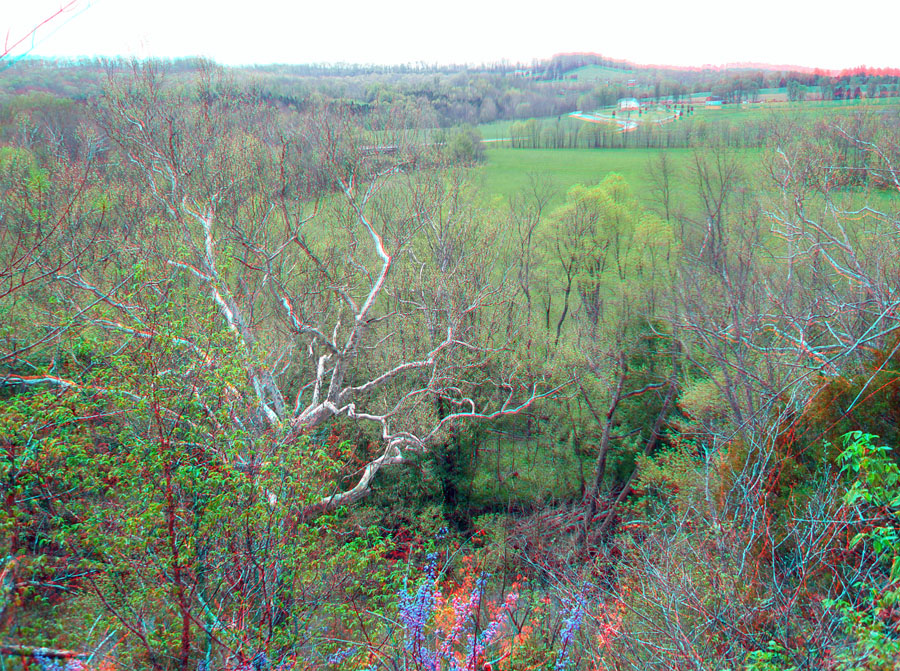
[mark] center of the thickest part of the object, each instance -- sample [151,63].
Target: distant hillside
[449,95]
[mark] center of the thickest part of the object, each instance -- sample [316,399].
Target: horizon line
[618,63]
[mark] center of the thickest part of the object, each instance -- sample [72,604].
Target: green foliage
[870,622]
[527,473]
[773,658]
[179,524]
[465,145]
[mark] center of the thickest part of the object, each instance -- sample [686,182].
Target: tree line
[451,95]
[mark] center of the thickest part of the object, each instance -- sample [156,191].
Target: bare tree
[526,210]
[801,285]
[355,279]
[48,221]
[663,177]
[13,41]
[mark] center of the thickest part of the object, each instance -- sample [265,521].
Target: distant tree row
[450,95]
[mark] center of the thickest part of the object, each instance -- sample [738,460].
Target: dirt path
[625,125]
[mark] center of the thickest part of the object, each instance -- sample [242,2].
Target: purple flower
[570,628]
[415,611]
[48,664]
[340,655]
[45,662]
[430,651]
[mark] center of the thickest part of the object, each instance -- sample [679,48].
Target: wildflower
[570,628]
[260,662]
[415,611]
[45,662]
[340,655]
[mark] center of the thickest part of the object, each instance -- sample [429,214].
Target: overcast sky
[815,33]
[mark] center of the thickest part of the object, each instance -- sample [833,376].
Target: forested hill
[451,95]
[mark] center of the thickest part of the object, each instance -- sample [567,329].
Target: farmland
[507,170]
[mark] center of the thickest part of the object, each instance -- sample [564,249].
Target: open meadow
[507,171]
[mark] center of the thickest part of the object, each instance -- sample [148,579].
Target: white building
[629,104]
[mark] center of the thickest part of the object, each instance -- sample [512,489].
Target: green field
[590,73]
[507,170]
[780,110]
[806,108]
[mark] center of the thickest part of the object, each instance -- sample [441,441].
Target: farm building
[629,104]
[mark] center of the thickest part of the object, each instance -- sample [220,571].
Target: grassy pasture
[506,170]
[591,73]
[806,109]
[778,112]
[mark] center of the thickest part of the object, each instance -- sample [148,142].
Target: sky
[824,33]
